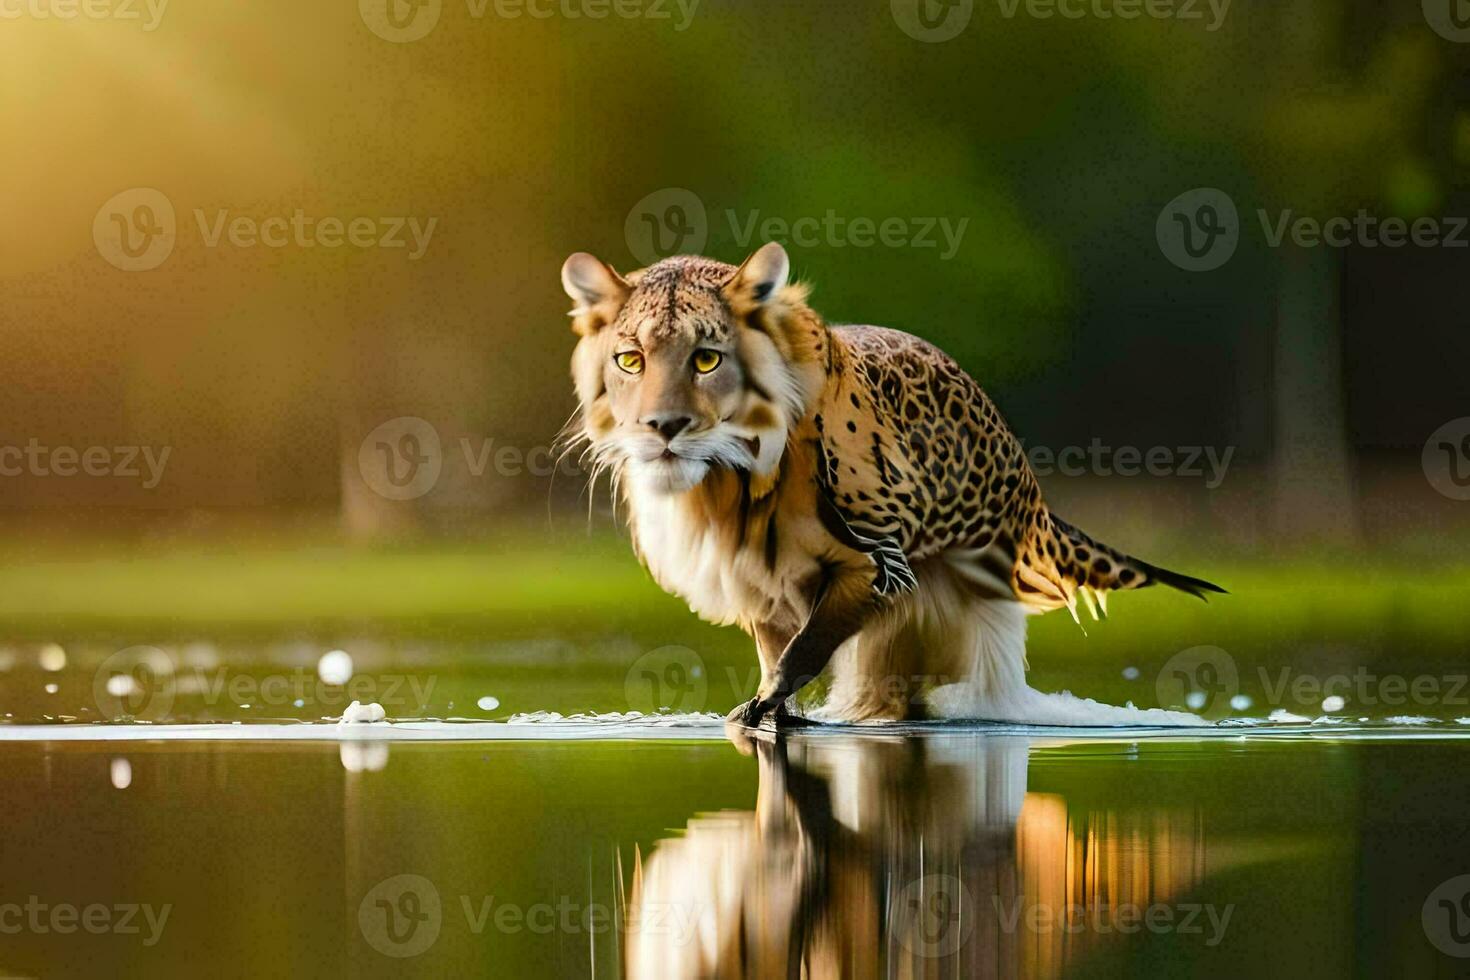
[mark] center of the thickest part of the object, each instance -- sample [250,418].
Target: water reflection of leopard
[877,857]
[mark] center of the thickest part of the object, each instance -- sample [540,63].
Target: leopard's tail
[1062,563]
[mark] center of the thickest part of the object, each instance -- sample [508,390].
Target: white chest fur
[722,580]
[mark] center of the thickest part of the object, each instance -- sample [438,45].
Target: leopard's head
[692,364]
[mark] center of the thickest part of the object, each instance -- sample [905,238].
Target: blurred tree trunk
[1313,497]
[373,391]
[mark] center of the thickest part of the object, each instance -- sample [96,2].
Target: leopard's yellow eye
[630,361]
[706,361]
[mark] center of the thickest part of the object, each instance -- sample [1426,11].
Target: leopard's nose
[668,425]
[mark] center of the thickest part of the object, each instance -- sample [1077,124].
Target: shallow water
[91,680]
[622,847]
[559,809]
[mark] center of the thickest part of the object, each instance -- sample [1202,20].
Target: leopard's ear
[760,278]
[596,289]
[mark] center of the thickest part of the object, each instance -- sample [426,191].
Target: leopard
[847,495]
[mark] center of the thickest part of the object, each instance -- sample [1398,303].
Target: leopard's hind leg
[873,673]
[934,640]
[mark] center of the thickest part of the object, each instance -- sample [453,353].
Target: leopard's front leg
[845,600]
[771,640]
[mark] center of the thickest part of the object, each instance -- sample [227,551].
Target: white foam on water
[1411,720]
[1021,704]
[1281,715]
[685,720]
[1029,706]
[358,713]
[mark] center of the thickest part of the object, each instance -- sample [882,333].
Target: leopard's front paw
[751,712]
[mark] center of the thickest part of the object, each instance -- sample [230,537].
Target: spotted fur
[915,453]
